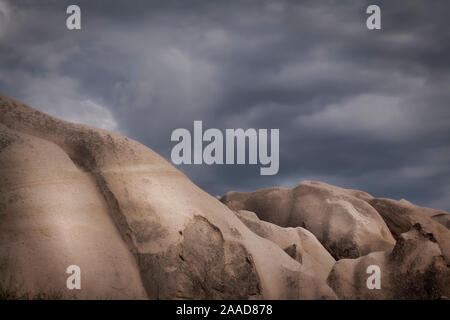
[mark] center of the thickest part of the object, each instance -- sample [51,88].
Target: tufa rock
[342,220]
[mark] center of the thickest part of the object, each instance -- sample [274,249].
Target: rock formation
[343,221]
[135,225]
[414,269]
[400,216]
[138,228]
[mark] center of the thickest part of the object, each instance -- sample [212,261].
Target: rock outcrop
[136,226]
[342,220]
[140,229]
[298,243]
[414,269]
[401,216]
[52,215]
[442,218]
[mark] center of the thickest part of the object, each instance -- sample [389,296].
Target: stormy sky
[356,108]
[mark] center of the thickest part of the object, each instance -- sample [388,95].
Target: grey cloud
[358,108]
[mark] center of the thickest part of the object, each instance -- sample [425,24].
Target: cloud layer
[356,108]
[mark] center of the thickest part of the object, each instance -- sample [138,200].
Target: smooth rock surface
[341,219]
[52,216]
[74,194]
[138,228]
[298,243]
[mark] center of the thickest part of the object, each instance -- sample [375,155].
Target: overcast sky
[356,108]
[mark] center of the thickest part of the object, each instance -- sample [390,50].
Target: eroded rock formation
[343,221]
[414,269]
[138,228]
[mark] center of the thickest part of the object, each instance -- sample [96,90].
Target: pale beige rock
[341,219]
[414,269]
[400,216]
[113,206]
[52,216]
[440,216]
[298,243]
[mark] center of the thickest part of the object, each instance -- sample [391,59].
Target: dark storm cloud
[357,108]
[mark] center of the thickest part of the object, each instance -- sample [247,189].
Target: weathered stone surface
[342,220]
[400,216]
[52,216]
[442,218]
[298,243]
[137,227]
[414,269]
